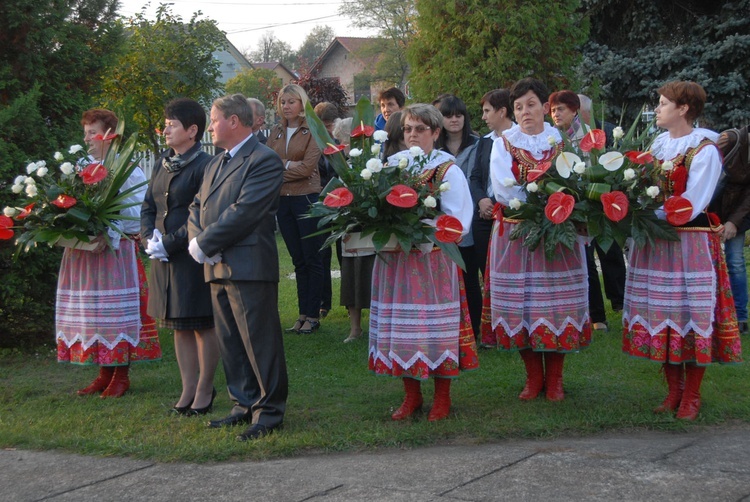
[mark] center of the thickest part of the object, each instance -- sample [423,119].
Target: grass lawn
[336,404]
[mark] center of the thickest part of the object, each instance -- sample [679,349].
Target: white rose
[31,190]
[374,165]
[668,165]
[17,188]
[618,133]
[19,180]
[31,168]
[75,149]
[30,181]
[355,152]
[10,212]
[366,174]
[532,187]
[652,191]
[579,168]
[380,136]
[42,171]
[514,203]
[41,163]
[628,174]
[509,182]
[403,162]
[551,140]
[58,156]
[66,168]
[429,201]
[415,151]
[445,186]
[375,148]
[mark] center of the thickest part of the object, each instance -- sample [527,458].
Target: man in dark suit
[231,230]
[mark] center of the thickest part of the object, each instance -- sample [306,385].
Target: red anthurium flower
[402,196]
[64,201]
[339,197]
[363,130]
[559,207]
[331,149]
[93,173]
[639,157]
[595,138]
[5,231]
[26,211]
[679,177]
[448,228]
[540,169]
[615,205]
[679,210]
[105,137]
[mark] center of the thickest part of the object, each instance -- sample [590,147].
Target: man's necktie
[224,161]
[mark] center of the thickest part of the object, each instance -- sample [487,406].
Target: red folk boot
[534,374]
[100,383]
[553,375]
[675,376]
[442,405]
[691,396]
[120,383]
[412,401]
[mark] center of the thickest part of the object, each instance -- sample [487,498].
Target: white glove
[195,251]
[155,249]
[214,259]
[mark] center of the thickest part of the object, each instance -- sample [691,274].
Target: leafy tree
[270,49]
[50,55]
[324,89]
[637,45]
[313,46]
[395,22]
[259,83]
[163,60]
[468,47]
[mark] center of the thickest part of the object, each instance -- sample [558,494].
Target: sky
[245,22]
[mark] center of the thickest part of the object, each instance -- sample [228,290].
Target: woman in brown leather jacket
[292,140]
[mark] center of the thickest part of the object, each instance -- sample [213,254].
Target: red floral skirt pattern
[532,302]
[123,352]
[681,343]
[419,318]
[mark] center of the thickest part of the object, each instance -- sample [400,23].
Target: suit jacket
[480,174]
[176,288]
[234,214]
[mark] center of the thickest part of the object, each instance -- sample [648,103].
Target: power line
[280,24]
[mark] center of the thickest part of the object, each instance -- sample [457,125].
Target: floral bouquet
[608,195]
[382,201]
[71,197]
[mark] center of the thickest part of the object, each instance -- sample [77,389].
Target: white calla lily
[565,162]
[611,161]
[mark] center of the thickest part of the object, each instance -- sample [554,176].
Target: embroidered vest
[434,176]
[523,161]
[675,180]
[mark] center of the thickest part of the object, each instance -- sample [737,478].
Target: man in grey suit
[231,231]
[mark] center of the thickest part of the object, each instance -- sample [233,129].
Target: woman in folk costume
[101,314]
[419,322]
[534,305]
[678,308]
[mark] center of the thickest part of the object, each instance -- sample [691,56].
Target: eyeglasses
[418,129]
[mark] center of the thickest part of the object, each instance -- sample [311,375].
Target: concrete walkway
[710,463]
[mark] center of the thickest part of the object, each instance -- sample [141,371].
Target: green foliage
[314,45]
[469,47]
[50,54]
[637,45]
[394,21]
[162,60]
[259,83]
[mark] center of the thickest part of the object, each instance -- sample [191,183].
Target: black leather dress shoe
[256,431]
[229,421]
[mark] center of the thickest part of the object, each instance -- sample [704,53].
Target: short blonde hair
[295,91]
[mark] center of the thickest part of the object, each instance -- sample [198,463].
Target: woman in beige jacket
[294,143]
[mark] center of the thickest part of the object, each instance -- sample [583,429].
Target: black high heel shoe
[182,410]
[193,412]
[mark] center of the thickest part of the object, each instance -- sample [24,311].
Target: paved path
[710,463]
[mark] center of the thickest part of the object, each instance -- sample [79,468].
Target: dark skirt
[356,281]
